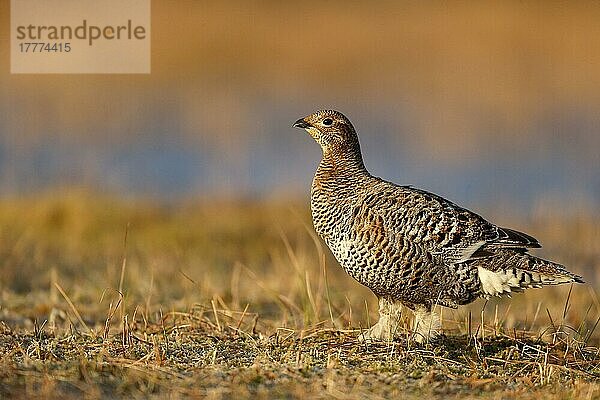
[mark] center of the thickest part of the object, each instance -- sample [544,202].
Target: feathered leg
[390,313]
[427,323]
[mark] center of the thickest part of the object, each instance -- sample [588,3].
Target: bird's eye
[327,122]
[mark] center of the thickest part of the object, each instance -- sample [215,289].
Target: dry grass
[104,298]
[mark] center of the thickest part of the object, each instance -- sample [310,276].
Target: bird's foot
[379,331]
[427,325]
[426,337]
[435,340]
[390,313]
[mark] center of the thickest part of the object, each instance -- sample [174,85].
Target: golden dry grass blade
[72,306]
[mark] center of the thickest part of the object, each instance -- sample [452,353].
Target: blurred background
[494,105]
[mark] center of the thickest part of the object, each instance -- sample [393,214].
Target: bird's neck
[339,164]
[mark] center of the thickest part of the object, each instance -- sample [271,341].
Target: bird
[410,247]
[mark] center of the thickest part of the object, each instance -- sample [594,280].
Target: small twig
[212,302]
[592,331]
[237,327]
[551,321]
[566,309]
[123,266]
[327,289]
[111,314]
[77,315]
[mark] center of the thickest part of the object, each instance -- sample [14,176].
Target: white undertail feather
[497,283]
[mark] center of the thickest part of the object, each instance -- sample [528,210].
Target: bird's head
[331,129]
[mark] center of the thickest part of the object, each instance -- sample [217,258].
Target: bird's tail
[513,271]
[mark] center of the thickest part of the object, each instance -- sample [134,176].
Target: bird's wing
[449,232]
[510,238]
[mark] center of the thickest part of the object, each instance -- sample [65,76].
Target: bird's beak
[302,124]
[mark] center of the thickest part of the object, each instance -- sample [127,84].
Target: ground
[103,298]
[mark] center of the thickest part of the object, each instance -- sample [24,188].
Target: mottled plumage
[410,246]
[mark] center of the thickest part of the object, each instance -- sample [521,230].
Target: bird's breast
[327,213]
